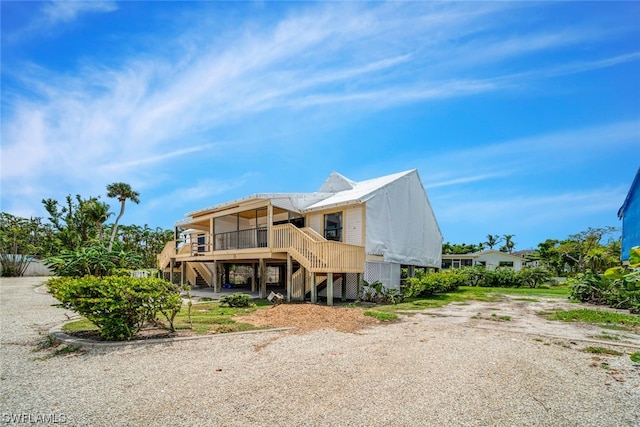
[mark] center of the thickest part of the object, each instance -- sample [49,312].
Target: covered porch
[262,236]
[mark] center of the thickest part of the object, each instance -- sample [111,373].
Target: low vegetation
[426,284]
[618,287]
[602,317]
[119,306]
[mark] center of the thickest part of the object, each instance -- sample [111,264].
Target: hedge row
[425,284]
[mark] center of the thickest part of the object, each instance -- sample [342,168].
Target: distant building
[629,213]
[490,259]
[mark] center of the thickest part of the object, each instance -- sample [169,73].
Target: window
[333,226]
[506,264]
[201,242]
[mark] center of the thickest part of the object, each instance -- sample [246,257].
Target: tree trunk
[115,224]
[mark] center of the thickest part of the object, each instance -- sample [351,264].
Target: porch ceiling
[202,223]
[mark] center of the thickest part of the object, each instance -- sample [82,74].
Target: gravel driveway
[421,371]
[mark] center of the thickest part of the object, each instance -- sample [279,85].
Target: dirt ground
[509,314]
[310,317]
[476,363]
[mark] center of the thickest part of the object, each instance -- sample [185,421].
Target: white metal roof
[336,190]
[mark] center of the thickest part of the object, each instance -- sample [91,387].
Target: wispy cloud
[463,180]
[60,11]
[531,155]
[55,14]
[544,214]
[337,59]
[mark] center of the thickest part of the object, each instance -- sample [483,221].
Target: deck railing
[309,248]
[242,239]
[317,256]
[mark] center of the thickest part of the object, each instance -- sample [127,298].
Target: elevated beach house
[323,243]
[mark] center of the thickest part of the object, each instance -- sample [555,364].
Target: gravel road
[417,372]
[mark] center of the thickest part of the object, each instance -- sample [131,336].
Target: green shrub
[236,300]
[533,277]
[376,292]
[430,283]
[118,306]
[502,278]
[94,260]
[589,287]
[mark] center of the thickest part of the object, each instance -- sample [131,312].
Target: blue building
[629,213]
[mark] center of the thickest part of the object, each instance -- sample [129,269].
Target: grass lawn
[602,317]
[209,317]
[466,293]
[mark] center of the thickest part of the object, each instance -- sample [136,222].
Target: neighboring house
[490,259]
[629,213]
[322,243]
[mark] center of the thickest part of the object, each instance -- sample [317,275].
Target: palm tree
[492,240]
[509,244]
[98,212]
[122,192]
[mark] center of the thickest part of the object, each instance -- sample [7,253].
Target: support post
[183,267]
[329,288]
[359,286]
[289,277]
[226,274]
[254,276]
[263,279]
[314,289]
[172,264]
[215,276]
[344,287]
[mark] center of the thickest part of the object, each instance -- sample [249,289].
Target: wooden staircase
[314,252]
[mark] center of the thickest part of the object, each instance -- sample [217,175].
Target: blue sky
[521,118]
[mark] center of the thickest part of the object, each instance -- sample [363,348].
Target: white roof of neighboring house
[480,254]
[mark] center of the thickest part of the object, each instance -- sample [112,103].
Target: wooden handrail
[317,256]
[167,253]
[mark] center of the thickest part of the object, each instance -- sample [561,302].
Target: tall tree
[509,244]
[122,192]
[73,226]
[492,240]
[20,240]
[98,212]
[582,249]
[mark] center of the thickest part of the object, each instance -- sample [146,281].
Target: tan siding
[353,226]
[315,222]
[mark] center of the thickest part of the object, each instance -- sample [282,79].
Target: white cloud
[336,58]
[63,11]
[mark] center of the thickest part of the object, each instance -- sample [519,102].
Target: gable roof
[634,188]
[359,192]
[335,191]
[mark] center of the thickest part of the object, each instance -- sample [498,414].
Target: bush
[589,287]
[236,300]
[617,287]
[93,260]
[501,278]
[376,292]
[430,283]
[118,306]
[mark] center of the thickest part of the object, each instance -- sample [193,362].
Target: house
[629,213]
[317,244]
[491,259]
